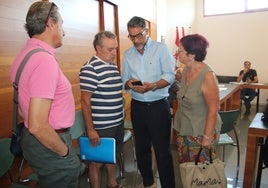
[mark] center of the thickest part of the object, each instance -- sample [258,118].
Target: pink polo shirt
[43,78]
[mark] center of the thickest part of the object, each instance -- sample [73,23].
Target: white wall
[161,20]
[179,13]
[233,38]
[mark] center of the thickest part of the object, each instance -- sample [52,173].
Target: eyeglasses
[50,10]
[137,36]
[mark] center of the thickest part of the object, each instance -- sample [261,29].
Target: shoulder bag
[206,175]
[17,128]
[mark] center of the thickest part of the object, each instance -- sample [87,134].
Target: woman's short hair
[37,16]
[195,44]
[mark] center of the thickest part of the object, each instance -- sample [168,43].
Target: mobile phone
[137,83]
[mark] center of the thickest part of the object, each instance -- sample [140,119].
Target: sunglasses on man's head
[50,10]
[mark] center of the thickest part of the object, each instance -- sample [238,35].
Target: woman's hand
[207,141]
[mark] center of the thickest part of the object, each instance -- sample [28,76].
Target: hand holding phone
[136,83]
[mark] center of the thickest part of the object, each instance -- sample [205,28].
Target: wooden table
[229,96]
[257,129]
[257,86]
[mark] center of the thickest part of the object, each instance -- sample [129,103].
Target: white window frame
[221,7]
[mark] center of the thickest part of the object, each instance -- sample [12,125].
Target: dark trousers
[114,132]
[247,94]
[53,170]
[152,127]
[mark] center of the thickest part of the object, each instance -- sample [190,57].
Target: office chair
[78,129]
[6,161]
[229,119]
[127,136]
[128,127]
[31,177]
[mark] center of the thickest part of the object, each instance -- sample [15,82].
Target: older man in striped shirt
[101,102]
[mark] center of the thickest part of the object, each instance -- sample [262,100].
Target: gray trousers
[53,170]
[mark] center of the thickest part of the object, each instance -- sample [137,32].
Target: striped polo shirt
[104,81]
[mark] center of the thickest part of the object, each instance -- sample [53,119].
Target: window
[257,4]
[216,7]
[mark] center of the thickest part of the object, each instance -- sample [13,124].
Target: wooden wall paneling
[12,36]
[82,21]
[80,25]
[6,95]
[76,93]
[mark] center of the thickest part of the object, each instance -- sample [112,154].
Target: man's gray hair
[102,35]
[137,22]
[37,16]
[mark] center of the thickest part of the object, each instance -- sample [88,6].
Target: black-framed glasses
[50,10]
[137,36]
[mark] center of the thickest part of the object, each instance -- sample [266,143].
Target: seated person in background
[250,76]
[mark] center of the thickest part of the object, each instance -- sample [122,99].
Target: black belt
[149,103]
[62,130]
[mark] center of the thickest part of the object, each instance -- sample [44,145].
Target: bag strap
[198,155]
[16,84]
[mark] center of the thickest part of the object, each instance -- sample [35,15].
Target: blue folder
[103,153]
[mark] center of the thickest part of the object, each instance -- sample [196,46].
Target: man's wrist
[154,86]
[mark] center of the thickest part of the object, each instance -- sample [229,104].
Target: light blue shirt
[154,64]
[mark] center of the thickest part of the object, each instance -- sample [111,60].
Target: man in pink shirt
[46,101]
